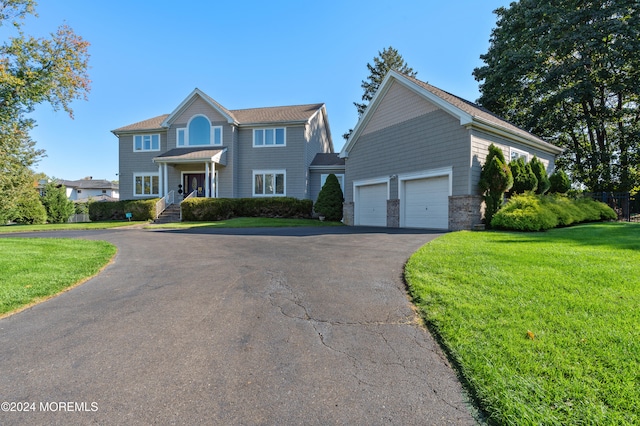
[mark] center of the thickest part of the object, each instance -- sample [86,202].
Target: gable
[198,106]
[397,106]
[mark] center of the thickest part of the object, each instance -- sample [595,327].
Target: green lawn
[65,226]
[543,327]
[32,270]
[246,222]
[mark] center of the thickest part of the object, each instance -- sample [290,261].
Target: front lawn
[66,226]
[247,222]
[543,327]
[32,270]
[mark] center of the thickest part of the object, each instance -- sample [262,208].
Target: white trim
[188,100]
[166,178]
[212,133]
[146,174]
[150,135]
[264,145]
[268,172]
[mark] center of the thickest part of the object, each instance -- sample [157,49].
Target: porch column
[165,176]
[207,181]
[214,187]
[160,179]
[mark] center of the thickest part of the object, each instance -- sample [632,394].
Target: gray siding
[290,158]
[430,141]
[480,141]
[135,162]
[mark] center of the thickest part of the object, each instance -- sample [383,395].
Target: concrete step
[170,215]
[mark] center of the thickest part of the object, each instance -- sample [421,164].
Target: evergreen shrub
[330,199]
[29,209]
[116,210]
[213,209]
[560,182]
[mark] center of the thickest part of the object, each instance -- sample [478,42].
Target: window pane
[268,184]
[154,185]
[279,136]
[180,137]
[147,185]
[155,142]
[258,185]
[258,136]
[217,136]
[199,131]
[280,183]
[146,145]
[138,185]
[268,136]
[138,143]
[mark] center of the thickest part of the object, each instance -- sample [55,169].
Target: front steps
[170,215]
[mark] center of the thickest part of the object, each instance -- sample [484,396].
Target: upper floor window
[270,137]
[146,143]
[199,132]
[516,153]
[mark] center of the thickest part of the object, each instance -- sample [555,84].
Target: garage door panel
[426,203]
[372,205]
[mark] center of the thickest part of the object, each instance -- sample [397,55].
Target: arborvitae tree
[59,207]
[560,182]
[330,199]
[29,209]
[495,180]
[541,174]
[523,177]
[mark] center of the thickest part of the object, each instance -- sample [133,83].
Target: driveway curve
[246,326]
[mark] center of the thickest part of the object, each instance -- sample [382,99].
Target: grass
[246,222]
[543,327]
[33,270]
[65,226]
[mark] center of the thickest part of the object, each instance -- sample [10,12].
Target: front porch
[197,168]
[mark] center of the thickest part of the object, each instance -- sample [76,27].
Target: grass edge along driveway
[543,327]
[35,269]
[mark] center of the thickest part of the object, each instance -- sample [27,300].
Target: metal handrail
[163,203]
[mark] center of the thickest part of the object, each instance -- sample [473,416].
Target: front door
[194,182]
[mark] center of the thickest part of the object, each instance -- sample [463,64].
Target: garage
[425,203]
[371,204]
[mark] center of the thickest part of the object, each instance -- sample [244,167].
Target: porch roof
[193,155]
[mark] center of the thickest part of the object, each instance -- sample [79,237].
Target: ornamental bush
[540,172]
[560,182]
[116,210]
[495,180]
[530,212]
[330,199]
[523,177]
[29,209]
[59,208]
[213,209]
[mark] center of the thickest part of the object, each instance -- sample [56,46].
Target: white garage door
[425,203]
[371,205]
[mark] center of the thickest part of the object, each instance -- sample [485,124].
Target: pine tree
[330,199]
[495,180]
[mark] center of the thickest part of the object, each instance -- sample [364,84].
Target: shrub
[540,172]
[59,208]
[523,177]
[495,180]
[559,182]
[211,209]
[330,199]
[529,212]
[29,209]
[116,210]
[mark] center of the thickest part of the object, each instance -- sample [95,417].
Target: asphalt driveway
[267,326]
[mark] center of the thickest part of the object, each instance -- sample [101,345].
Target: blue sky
[146,57]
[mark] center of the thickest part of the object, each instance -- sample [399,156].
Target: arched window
[199,131]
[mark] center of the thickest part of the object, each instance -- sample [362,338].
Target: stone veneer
[347,213]
[465,212]
[393,213]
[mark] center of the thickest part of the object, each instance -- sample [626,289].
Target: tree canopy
[569,71]
[33,71]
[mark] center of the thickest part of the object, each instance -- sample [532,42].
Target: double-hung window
[269,183]
[146,184]
[270,137]
[516,153]
[146,143]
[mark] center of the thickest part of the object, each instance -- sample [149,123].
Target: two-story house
[89,189]
[204,149]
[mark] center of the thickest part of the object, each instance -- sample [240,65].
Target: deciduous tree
[32,71]
[569,71]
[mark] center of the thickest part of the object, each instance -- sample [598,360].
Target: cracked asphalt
[246,326]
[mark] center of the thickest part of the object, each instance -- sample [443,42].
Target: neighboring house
[210,151]
[87,189]
[415,156]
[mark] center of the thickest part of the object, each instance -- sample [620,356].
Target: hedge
[116,210]
[211,209]
[529,212]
